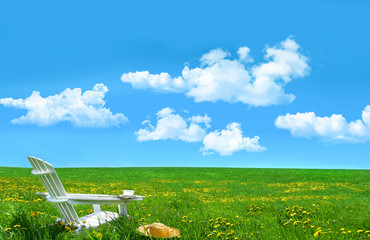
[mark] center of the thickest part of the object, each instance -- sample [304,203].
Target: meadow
[203,203]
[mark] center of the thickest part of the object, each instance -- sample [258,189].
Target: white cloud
[221,79]
[81,109]
[244,55]
[230,140]
[163,81]
[332,129]
[214,56]
[173,126]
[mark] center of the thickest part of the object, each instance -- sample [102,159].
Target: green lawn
[203,203]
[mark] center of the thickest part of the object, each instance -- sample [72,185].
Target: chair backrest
[46,173]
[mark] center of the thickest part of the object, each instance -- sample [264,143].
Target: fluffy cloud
[173,126]
[230,140]
[332,129]
[244,55]
[222,79]
[81,109]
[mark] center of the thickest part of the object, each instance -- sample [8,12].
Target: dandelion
[7,229]
[99,235]
[16,226]
[360,231]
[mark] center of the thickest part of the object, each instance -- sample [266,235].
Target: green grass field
[203,203]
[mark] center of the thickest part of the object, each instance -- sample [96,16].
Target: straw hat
[158,230]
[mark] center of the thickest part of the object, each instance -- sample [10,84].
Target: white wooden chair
[65,201]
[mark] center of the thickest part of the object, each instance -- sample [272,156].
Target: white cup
[128,192]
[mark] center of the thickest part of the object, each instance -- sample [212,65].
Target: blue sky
[236,84]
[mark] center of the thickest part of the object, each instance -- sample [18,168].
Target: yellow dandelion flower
[62,223]
[16,226]
[360,231]
[99,235]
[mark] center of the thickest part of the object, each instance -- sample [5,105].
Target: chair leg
[96,208]
[122,209]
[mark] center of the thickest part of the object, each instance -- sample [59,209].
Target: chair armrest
[76,198]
